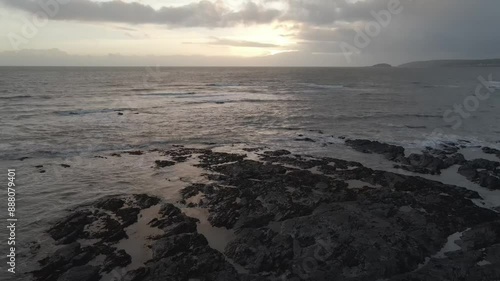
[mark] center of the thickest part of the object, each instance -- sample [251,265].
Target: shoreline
[270,214]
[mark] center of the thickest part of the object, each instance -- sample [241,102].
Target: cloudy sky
[246,32]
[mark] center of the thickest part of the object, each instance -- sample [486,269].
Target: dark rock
[493,151]
[63,254]
[326,231]
[42,171]
[128,215]
[136,152]
[81,273]
[144,201]
[391,152]
[23,158]
[253,149]
[96,223]
[179,159]
[110,204]
[65,166]
[163,163]
[428,164]
[59,259]
[252,250]
[478,258]
[425,163]
[192,190]
[173,221]
[305,140]
[431,161]
[484,172]
[216,158]
[71,228]
[83,258]
[120,113]
[39,166]
[292,222]
[34,247]
[277,152]
[119,258]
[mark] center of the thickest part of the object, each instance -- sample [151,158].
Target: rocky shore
[293,217]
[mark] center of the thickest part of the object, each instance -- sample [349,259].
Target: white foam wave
[494,84]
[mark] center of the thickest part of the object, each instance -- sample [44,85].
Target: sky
[248,32]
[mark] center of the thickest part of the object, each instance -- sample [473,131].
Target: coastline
[250,213]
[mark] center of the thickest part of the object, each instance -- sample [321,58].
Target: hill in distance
[453,63]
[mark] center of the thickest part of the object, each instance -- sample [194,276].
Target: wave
[416,127]
[169,94]
[222,85]
[142,89]
[321,86]
[17,97]
[240,101]
[440,141]
[494,84]
[21,97]
[380,116]
[86,112]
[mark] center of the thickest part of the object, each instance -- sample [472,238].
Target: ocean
[80,116]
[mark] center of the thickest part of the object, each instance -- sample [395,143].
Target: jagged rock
[103,223]
[119,258]
[484,172]
[173,221]
[136,152]
[363,234]
[431,161]
[164,163]
[128,215]
[477,259]
[493,151]
[182,253]
[179,253]
[81,273]
[61,258]
[277,152]
[391,152]
[110,204]
[71,228]
[305,139]
[300,218]
[216,158]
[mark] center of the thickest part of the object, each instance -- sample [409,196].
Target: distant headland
[453,63]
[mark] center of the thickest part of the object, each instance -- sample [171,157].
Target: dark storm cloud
[200,14]
[425,29]
[323,12]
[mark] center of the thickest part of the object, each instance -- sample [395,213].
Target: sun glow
[272,35]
